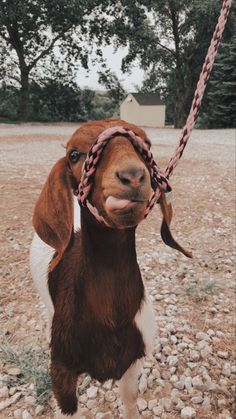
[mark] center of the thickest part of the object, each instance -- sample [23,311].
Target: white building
[144,109]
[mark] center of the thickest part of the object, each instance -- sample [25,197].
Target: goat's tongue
[113,203]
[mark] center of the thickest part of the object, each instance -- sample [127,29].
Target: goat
[87,274]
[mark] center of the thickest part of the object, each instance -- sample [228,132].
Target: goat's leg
[128,387]
[64,386]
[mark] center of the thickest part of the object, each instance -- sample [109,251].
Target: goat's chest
[93,327]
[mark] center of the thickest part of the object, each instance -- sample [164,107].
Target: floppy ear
[165,227]
[53,214]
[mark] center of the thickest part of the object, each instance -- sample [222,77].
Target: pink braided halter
[160,182]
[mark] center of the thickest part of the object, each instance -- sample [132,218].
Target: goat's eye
[74,156]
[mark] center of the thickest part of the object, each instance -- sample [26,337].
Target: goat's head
[121,185]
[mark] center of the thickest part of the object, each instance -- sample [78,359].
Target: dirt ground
[191,296]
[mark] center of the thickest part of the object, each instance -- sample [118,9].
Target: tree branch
[4,37]
[43,53]
[166,48]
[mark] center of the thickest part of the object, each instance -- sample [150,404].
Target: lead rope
[201,85]
[160,180]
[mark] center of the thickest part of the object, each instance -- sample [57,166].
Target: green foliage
[8,103]
[34,31]
[116,91]
[58,101]
[220,104]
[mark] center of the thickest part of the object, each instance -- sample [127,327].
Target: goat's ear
[165,227]
[53,214]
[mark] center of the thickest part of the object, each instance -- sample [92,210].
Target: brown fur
[96,290]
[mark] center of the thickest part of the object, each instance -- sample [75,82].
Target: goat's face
[122,184]
[121,190]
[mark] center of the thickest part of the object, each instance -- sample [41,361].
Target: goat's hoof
[68,405]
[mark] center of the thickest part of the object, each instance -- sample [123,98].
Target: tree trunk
[24,103]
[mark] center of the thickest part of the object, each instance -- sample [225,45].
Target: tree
[33,31]
[116,91]
[173,47]
[220,105]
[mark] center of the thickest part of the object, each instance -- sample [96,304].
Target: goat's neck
[107,246]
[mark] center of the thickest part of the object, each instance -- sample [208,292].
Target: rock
[166,350]
[158,410]
[221,403]
[206,403]
[83,398]
[213,310]
[194,356]
[151,404]
[142,384]
[233,369]
[197,399]
[9,401]
[174,378]
[173,339]
[17,414]
[220,334]
[167,404]
[39,409]
[142,404]
[202,336]
[187,382]
[197,382]
[26,415]
[106,415]
[86,382]
[226,371]
[92,392]
[12,391]
[188,413]
[110,396]
[174,395]
[107,385]
[205,352]
[159,297]
[180,405]
[30,400]
[211,332]
[91,404]
[165,374]
[179,385]
[14,371]
[225,414]
[4,392]
[223,354]
[172,360]
[172,370]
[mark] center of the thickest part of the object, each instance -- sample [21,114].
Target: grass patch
[33,365]
[201,289]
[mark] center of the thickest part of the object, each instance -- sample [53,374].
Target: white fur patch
[77,217]
[145,322]
[40,256]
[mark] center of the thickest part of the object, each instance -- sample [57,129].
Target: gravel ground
[193,371]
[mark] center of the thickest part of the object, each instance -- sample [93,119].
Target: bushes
[58,101]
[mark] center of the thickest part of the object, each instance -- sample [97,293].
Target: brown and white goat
[87,274]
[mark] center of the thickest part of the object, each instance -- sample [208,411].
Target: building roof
[148,99]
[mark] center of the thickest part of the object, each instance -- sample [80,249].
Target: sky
[129,81]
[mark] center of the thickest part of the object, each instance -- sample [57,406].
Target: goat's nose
[132,176]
